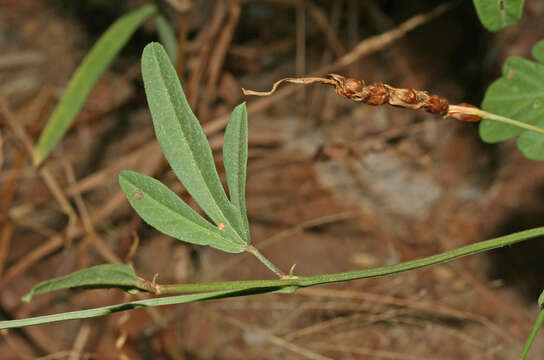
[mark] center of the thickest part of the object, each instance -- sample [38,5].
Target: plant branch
[306,281]
[244,288]
[532,336]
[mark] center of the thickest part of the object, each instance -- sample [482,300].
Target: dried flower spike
[378,94]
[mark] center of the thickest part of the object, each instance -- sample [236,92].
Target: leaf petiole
[253,250]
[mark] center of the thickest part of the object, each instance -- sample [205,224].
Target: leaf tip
[27,297]
[38,158]
[152,47]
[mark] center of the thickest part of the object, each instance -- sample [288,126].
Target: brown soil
[333,186]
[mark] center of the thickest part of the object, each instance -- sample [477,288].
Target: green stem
[490,116]
[242,288]
[253,250]
[106,310]
[532,336]
[361,274]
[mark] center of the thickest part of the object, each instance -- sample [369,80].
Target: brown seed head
[352,86]
[376,94]
[407,95]
[437,105]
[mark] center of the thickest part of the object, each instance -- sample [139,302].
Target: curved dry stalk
[303,80]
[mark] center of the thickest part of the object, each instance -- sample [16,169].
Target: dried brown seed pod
[437,105]
[408,96]
[352,86]
[376,94]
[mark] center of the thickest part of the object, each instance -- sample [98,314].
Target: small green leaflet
[498,14]
[184,143]
[518,94]
[100,276]
[85,78]
[161,208]
[235,160]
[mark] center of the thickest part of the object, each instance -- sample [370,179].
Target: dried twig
[217,58]
[209,33]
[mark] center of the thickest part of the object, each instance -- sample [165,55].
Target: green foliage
[244,288]
[85,78]
[184,143]
[235,159]
[100,276]
[498,14]
[518,94]
[160,207]
[167,36]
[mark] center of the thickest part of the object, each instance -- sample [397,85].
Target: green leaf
[541,299]
[167,36]
[518,94]
[235,159]
[100,276]
[498,14]
[183,141]
[538,51]
[531,143]
[85,78]
[161,208]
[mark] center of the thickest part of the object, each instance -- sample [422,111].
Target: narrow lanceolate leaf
[235,160]
[498,14]
[100,276]
[518,94]
[161,208]
[85,78]
[183,141]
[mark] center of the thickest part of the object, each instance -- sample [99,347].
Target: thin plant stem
[532,336]
[306,281]
[486,115]
[253,250]
[244,288]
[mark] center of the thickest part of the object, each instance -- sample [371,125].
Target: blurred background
[333,185]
